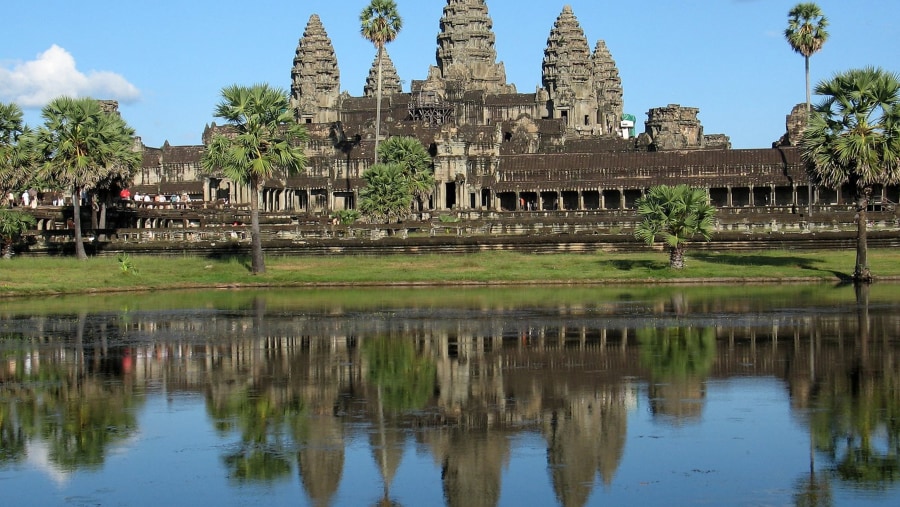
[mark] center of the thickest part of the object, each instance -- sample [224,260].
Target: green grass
[48,275]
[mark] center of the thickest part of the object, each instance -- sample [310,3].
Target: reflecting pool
[515,396]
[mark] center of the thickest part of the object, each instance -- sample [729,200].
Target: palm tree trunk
[861,273]
[806,62]
[809,202]
[378,105]
[257,262]
[76,220]
[676,257]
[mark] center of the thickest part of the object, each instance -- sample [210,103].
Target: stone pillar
[581,200]
[621,198]
[729,201]
[602,199]
[540,200]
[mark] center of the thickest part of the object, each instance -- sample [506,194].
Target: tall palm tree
[80,146]
[262,138]
[853,138]
[806,34]
[677,214]
[379,24]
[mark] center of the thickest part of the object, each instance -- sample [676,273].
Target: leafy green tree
[677,214]
[13,223]
[379,24]
[262,139]
[853,138]
[386,196]
[80,146]
[806,33]
[416,162]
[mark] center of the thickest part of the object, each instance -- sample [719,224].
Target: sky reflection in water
[479,397]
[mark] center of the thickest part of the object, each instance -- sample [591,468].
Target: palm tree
[380,23]
[806,34]
[853,138]
[677,214]
[80,146]
[416,162]
[386,196]
[262,139]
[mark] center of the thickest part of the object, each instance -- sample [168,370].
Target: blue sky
[166,61]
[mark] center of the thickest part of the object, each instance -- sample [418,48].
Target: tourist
[125,194]
[26,198]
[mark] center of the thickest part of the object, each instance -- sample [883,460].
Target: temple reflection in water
[458,383]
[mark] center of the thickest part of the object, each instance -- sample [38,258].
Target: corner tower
[567,74]
[315,77]
[608,89]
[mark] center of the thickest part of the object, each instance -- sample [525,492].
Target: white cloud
[53,74]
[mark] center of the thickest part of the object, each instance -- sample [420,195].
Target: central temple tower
[466,57]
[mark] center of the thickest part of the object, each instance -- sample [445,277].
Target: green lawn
[50,275]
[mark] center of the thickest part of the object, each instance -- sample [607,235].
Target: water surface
[517,396]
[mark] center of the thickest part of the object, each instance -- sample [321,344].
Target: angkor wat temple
[565,146]
[565,151]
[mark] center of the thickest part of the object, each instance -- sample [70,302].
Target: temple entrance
[450,191]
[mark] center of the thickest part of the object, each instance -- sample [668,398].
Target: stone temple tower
[608,87]
[567,73]
[584,88]
[315,77]
[390,80]
[466,56]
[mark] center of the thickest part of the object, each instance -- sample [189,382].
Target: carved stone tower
[466,57]
[567,74]
[315,77]
[390,80]
[608,86]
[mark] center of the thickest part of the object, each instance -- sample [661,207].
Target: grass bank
[36,276]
